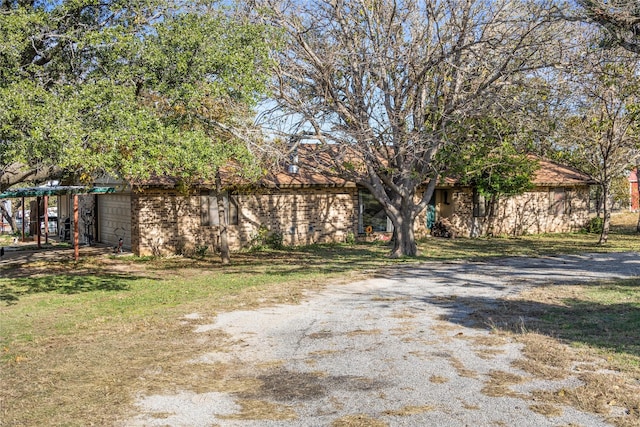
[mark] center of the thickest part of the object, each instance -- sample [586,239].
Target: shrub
[594,225]
[274,240]
[264,239]
[350,238]
[201,251]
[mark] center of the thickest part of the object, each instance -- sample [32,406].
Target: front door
[431,213]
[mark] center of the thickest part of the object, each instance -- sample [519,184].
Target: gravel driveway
[377,352]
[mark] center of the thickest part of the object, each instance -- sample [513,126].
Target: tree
[383,86]
[128,89]
[601,137]
[621,21]
[619,18]
[488,158]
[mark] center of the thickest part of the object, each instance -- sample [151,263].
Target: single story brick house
[307,208]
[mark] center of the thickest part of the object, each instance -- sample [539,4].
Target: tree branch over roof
[620,19]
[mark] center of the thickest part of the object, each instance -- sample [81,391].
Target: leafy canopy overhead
[125,88]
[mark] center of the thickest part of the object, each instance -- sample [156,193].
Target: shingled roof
[549,174]
[554,174]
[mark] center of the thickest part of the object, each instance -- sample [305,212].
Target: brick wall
[302,216]
[167,222]
[528,213]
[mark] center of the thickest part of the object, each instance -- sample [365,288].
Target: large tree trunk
[223,226]
[638,188]
[404,243]
[403,214]
[606,214]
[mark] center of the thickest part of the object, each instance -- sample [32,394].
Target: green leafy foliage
[594,226]
[128,89]
[487,158]
[267,239]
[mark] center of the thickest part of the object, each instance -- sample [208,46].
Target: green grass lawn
[76,338]
[605,316]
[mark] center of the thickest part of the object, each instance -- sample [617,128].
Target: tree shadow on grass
[326,258]
[12,289]
[612,326]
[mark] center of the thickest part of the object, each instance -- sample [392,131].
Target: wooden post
[38,231]
[23,219]
[76,247]
[46,220]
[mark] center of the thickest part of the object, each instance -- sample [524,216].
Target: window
[209,209]
[479,204]
[557,201]
[595,199]
[445,197]
[372,214]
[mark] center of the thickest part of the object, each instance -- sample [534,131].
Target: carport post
[23,218]
[46,220]
[39,232]
[76,248]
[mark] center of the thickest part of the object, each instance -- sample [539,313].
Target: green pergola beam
[57,190]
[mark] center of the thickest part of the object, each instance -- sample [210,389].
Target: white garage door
[114,219]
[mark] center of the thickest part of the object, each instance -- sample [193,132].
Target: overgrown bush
[201,251]
[594,225]
[275,240]
[350,238]
[265,239]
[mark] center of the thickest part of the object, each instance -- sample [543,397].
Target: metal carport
[54,190]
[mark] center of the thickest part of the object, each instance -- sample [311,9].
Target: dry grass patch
[547,410]
[461,369]
[585,331]
[269,365]
[436,379]
[359,332]
[487,353]
[499,383]
[447,328]
[320,335]
[405,327]
[491,340]
[470,407]
[410,410]
[616,396]
[91,377]
[606,394]
[545,357]
[358,421]
[404,314]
